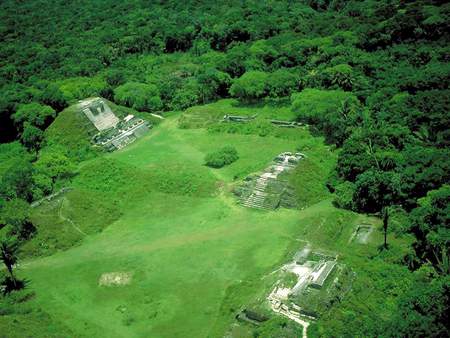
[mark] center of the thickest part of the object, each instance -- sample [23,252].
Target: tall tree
[9,256]
[385,214]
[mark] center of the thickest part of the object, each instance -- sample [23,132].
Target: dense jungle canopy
[369,76]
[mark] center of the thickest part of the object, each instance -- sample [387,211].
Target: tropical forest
[237,168]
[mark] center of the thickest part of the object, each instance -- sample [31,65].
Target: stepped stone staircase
[265,191]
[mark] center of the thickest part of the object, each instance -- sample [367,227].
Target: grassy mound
[66,220]
[72,130]
[112,177]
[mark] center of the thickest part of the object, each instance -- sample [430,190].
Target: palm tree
[8,255]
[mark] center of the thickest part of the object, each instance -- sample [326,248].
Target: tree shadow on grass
[10,284]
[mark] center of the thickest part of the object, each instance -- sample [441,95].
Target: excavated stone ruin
[271,189]
[287,124]
[237,118]
[319,282]
[113,133]
[362,234]
[99,113]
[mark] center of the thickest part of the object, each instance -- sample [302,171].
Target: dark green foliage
[31,137]
[9,250]
[54,162]
[376,75]
[52,96]
[376,189]
[212,83]
[278,327]
[139,96]
[423,309]
[9,154]
[15,214]
[115,77]
[8,254]
[282,83]
[333,112]
[17,180]
[30,120]
[250,86]
[431,225]
[221,157]
[33,113]
[10,284]
[185,97]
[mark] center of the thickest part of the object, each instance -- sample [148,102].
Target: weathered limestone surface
[99,113]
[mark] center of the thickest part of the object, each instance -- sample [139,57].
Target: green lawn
[195,256]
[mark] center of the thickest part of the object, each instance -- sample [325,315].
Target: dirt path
[60,214]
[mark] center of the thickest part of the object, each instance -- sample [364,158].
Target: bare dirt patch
[115,279]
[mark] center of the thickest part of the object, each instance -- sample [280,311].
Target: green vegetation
[367,82]
[8,256]
[250,86]
[221,157]
[139,96]
[332,112]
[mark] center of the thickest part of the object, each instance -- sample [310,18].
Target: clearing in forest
[190,255]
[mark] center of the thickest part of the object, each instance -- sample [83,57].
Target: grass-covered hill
[72,131]
[366,83]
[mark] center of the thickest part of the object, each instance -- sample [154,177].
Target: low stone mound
[237,118]
[362,234]
[115,279]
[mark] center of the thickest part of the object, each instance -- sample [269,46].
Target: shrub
[222,157]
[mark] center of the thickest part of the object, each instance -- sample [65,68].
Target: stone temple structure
[270,189]
[113,133]
[99,113]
